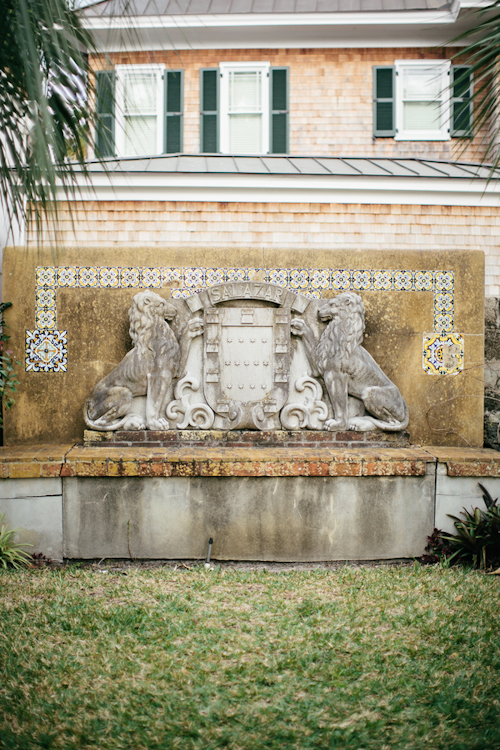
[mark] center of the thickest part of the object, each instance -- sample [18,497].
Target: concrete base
[258,503]
[34,507]
[249,518]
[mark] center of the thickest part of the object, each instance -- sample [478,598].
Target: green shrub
[477,540]
[11,553]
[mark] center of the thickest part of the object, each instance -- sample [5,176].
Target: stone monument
[247,356]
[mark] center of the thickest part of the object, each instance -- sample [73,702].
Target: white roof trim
[425,28]
[297,188]
[233,20]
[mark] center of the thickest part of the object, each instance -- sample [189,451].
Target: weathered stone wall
[331,94]
[81,297]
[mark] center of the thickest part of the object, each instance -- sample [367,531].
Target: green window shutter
[174,106]
[383,101]
[209,110]
[462,89]
[105,113]
[279,114]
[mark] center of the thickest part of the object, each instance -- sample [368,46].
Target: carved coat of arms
[233,357]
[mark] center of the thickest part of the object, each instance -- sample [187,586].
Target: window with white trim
[139,109]
[422,100]
[244,108]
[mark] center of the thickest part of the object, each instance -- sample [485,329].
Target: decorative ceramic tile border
[46,347]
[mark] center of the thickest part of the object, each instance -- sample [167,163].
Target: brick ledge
[72,460]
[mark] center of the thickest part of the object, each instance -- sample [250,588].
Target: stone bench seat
[70,459]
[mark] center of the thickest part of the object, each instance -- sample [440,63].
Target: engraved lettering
[268,292]
[247,292]
[214,294]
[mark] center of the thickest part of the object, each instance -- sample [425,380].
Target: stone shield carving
[235,359]
[246,364]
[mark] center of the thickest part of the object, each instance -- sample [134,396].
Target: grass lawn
[359,657]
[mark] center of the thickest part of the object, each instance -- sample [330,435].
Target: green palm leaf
[44,111]
[481,53]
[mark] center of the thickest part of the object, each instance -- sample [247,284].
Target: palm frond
[481,52]
[45,119]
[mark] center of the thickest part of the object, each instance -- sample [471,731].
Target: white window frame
[120,105]
[224,101]
[439,134]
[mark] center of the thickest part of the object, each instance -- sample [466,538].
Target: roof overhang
[414,28]
[135,184]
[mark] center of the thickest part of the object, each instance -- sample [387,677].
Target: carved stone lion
[349,370]
[146,370]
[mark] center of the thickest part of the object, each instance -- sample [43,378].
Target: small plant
[39,560]
[436,550]
[8,380]
[11,553]
[478,534]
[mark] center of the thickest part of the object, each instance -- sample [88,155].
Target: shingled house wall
[330,98]
[300,225]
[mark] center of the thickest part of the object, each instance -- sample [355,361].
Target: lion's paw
[332,424]
[158,424]
[134,422]
[362,424]
[298,327]
[195,327]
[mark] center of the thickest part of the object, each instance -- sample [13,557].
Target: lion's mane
[343,334]
[149,329]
